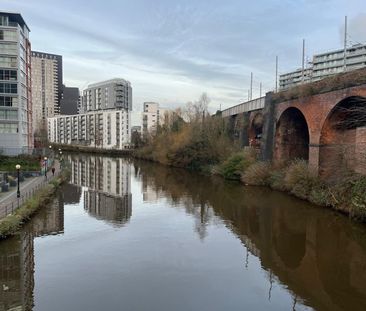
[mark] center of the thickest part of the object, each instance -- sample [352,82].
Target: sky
[173,51]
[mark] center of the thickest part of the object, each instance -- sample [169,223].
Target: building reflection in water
[318,256]
[108,186]
[17,258]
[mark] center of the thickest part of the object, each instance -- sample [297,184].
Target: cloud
[172,51]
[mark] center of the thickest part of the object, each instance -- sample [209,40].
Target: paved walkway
[9,202]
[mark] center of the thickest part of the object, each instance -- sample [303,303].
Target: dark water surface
[137,236]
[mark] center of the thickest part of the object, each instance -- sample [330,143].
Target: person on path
[53,171]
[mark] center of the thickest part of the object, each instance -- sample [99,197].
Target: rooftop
[16,17]
[115,80]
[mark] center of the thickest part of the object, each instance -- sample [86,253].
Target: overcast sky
[172,51]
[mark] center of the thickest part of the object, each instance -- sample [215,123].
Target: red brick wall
[316,110]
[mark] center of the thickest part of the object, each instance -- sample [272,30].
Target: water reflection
[318,255]
[17,258]
[108,186]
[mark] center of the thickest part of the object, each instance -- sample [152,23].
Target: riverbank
[12,223]
[345,194]
[85,149]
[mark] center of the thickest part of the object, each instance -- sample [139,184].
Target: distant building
[137,129]
[110,94]
[104,129]
[325,65]
[330,63]
[70,100]
[294,78]
[16,135]
[104,122]
[46,91]
[152,117]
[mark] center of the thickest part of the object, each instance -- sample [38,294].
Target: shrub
[358,199]
[195,155]
[257,174]
[235,166]
[276,180]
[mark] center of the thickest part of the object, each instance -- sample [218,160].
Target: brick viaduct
[328,129]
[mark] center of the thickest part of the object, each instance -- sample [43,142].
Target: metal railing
[9,208]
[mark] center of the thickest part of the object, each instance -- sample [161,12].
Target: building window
[6,61]
[8,88]
[6,128]
[9,114]
[10,75]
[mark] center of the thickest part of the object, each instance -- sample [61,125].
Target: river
[130,235]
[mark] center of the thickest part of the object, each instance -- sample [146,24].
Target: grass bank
[346,195]
[11,224]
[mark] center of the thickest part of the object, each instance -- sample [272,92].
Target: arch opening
[292,136]
[256,130]
[343,139]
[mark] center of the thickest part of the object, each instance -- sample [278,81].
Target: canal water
[127,235]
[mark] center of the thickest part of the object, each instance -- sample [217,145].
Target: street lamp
[18,171]
[45,167]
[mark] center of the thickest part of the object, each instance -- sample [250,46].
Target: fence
[25,194]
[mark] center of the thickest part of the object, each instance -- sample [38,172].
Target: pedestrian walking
[53,171]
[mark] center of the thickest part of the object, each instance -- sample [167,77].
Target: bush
[235,166]
[276,180]
[299,180]
[195,155]
[257,174]
[358,199]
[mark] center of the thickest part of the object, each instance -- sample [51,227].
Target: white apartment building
[104,122]
[46,90]
[327,64]
[16,134]
[105,129]
[152,116]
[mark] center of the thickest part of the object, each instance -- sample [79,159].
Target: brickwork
[323,138]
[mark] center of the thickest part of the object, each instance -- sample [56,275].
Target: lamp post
[45,167]
[60,159]
[18,173]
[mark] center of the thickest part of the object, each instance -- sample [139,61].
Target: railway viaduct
[323,122]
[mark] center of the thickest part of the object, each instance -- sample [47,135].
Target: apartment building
[16,134]
[105,129]
[104,122]
[294,78]
[46,91]
[330,63]
[327,64]
[111,94]
[70,100]
[152,117]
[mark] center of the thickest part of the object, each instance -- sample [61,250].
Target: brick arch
[342,138]
[255,129]
[291,136]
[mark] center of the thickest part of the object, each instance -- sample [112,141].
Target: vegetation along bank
[11,224]
[190,139]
